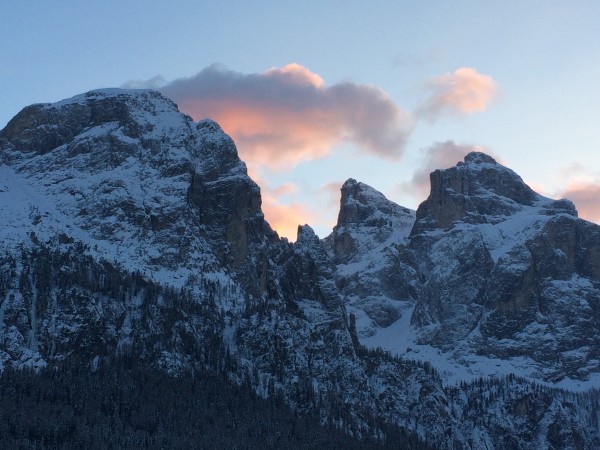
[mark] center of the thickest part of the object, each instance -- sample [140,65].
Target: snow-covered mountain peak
[148,96]
[308,243]
[367,221]
[125,170]
[306,235]
[477,191]
[209,126]
[360,202]
[42,128]
[130,230]
[349,182]
[364,246]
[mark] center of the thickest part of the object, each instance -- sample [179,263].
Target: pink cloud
[281,207]
[285,218]
[586,197]
[539,188]
[285,212]
[286,115]
[284,189]
[463,92]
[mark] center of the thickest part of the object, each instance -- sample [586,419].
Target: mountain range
[129,230]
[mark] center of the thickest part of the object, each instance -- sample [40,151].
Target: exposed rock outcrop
[366,245]
[365,214]
[477,191]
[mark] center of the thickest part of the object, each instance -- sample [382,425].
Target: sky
[314,93]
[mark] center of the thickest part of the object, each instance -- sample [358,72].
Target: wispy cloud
[434,55]
[286,115]
[463,92]
[331,194]
[332,191]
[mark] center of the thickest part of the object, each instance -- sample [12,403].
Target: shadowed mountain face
[128,229]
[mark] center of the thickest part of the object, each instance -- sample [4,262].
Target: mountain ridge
[134,230]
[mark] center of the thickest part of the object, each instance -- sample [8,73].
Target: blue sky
[540,119]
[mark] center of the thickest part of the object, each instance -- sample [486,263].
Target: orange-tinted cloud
[539,188]
[281,207]
[463,92]
[284,211]
[286,115]
[285,218]
[284,190]
[586,196]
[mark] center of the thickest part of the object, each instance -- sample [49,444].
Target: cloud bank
[463,92]
[286,115]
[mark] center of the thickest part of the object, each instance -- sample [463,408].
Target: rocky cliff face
[127,228]
[124,178]
[365,248]
[476,191]
[367,220]
[498,262]
[130,170]
[491,272]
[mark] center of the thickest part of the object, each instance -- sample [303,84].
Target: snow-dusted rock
[126,171]
[127,228]
[478,190]
[502,273]
[365,246]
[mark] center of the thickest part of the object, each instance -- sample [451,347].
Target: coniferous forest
[126,405]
